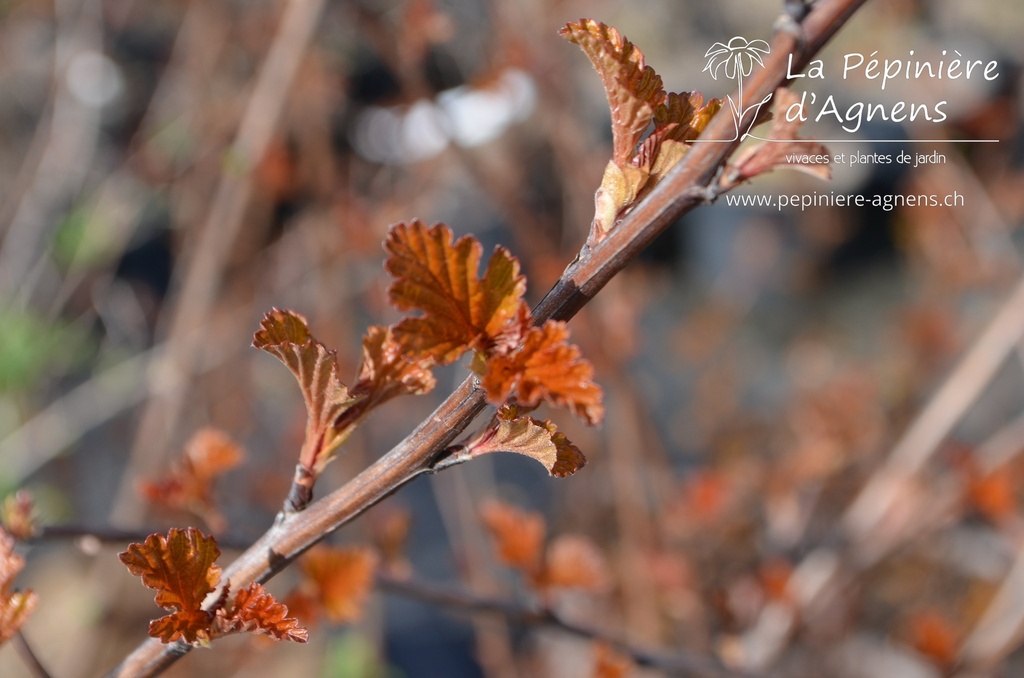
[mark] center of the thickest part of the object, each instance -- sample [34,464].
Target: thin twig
[29,657]
[220,231]
[531,616]
[682,190]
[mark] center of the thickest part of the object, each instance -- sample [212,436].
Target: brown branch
[529,616]
[685,188]
[28,656]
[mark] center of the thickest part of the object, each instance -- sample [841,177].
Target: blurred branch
[472,603]
[223,224]
[447,597]
[682,190]
[29,656]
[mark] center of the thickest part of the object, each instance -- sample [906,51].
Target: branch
[515,613]
[682,190]
[35,667]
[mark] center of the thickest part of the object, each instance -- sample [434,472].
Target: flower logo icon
[736,60]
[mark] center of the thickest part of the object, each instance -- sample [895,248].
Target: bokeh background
[172,169]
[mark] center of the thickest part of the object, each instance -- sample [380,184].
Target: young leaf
[785,149]
[286,335]
[439,278]
[633,89]
[539,440]
[546,368]
[519,535]
[189,484]
[574,562]
[337,581]
[253,610]
[181,568]
[385,373]
[15,606]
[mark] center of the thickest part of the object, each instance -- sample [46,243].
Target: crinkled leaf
[573,561]
[784,150]
[15,606]
[385,373]
[286,335]
[438,277]
[537,439]
[683,116]
[518,535]
[341,579]
[188,485]
[181,568]
[546,368]
[633,89]
[253,610]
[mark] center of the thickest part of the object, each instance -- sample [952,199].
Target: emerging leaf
[546,368]
[539,440]
[181,568]
[519,535]
[439,278]
[633,89]
[620,186]
[337,581]
[189,484]
[255,611]
[385,373]
[785,149]
[286,335]
[574,562]
[15,606]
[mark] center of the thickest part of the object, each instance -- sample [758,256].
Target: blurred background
[171,170]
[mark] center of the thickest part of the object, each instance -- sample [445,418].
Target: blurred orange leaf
[518,535]
[286,335]
[573,561]
[338,580]
[189,483]
[15,606]
[934,635]
[610,664]
[181,568]
[253,610]
[438,277]
[546,368]
[536,439]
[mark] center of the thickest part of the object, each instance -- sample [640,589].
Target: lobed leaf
[385,373]
[518,535]
[633,89]
[15,606]
[181,568]
[188,485]
[439,278]
[253,610]
[545,368]
[286,335]
[536,439]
